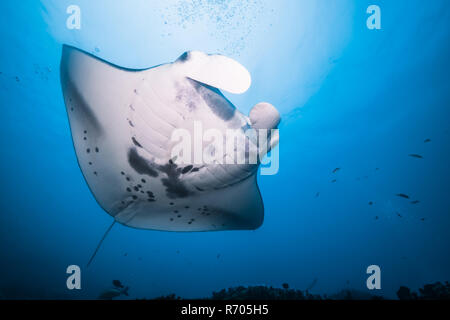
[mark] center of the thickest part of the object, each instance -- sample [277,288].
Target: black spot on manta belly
[84,111]
[184,57]
[186,169]
[136,143]
[139,164]
[191,106]
[175,188]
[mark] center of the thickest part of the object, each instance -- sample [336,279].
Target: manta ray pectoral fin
[215,70]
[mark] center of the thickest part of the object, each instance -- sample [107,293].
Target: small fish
[333,181]
[427,140]
[376,169]
[218,256]
[399,214]
[370,203]
[125,254]
[415,202]
[336,170]
[402,195]
[113,293]
[423,219]
[376,217]
[317,194]
[418,156]
[117,284]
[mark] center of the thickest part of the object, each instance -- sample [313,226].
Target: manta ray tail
[100,243]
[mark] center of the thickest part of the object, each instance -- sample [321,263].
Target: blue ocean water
[351,98]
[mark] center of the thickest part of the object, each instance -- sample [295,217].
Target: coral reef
[263,293]
[172,296]
[434,291]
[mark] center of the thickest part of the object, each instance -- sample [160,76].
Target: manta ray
[122,121]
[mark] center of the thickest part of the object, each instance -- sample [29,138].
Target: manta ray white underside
[122,121]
